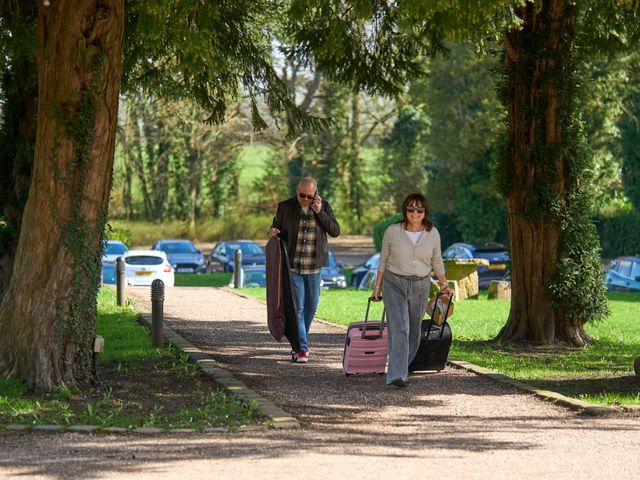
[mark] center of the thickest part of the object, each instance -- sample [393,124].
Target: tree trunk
[138,136]
[47,317]
[127,181]
[539,67]
[355,180]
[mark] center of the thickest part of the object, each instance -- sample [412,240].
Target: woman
[410,250]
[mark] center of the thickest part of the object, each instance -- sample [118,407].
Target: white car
[141,267]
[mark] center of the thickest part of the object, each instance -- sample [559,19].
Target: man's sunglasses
[308,197]
[415,209]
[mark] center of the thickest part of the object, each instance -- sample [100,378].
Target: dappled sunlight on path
[456,423]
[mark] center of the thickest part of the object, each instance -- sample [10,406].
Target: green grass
[601,373]
[219,279]
[152,387]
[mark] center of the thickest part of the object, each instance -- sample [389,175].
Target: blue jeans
[306,294]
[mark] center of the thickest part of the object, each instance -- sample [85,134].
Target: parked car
[141,267]
[112,250]
[108,273]
[359,272]
[494,252]
[222,255]
[252,277]
[369,280]
[623,274]
[332,275]
[183,255]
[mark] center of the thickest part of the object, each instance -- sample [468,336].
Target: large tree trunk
[539,66]
[47,317]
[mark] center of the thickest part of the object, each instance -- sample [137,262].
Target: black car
[332,275]
[252,277]
[183,256]
[494,252]
[222,255]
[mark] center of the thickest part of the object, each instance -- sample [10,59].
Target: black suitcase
[435,342]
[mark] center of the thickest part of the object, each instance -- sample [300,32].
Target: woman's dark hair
[419,199]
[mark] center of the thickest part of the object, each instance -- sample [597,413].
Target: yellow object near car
[497,266]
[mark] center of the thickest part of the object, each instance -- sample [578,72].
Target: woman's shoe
[400,382]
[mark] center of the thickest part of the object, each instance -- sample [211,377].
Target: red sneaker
[301,357]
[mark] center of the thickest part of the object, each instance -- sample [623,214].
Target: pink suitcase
[365,350]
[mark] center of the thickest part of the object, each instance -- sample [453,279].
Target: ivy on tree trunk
[47,318]
[556,283]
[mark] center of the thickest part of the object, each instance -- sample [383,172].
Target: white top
[414,236]
[401,256]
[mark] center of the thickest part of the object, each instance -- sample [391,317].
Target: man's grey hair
[308,180]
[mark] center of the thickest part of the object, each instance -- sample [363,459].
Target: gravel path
[448,425]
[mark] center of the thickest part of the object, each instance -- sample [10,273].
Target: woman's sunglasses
[415,209]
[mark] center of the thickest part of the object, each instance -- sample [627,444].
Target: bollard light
[157,314]
[120,281]
[237,269]
[98,347]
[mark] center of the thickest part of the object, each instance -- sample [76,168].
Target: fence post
[237,269]
[157,313]
[120,281]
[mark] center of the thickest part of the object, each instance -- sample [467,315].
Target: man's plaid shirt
[304,261]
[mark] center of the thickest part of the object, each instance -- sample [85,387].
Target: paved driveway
[449,425]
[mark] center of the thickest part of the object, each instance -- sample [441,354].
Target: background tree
[603,107]
[466,120]
[630,126]
[404,158]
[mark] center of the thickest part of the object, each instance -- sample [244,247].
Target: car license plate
[184,270]
[143,274]
[497,266]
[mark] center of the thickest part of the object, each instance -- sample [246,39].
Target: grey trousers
[405,299]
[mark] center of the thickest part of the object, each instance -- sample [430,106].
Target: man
[303,223]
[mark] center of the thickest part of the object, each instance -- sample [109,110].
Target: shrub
[122,234]
[380,227]
[619,233]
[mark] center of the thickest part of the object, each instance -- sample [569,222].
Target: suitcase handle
[366,319]
[435,304]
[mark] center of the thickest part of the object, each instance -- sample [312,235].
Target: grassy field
[601,373]
[252,164]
